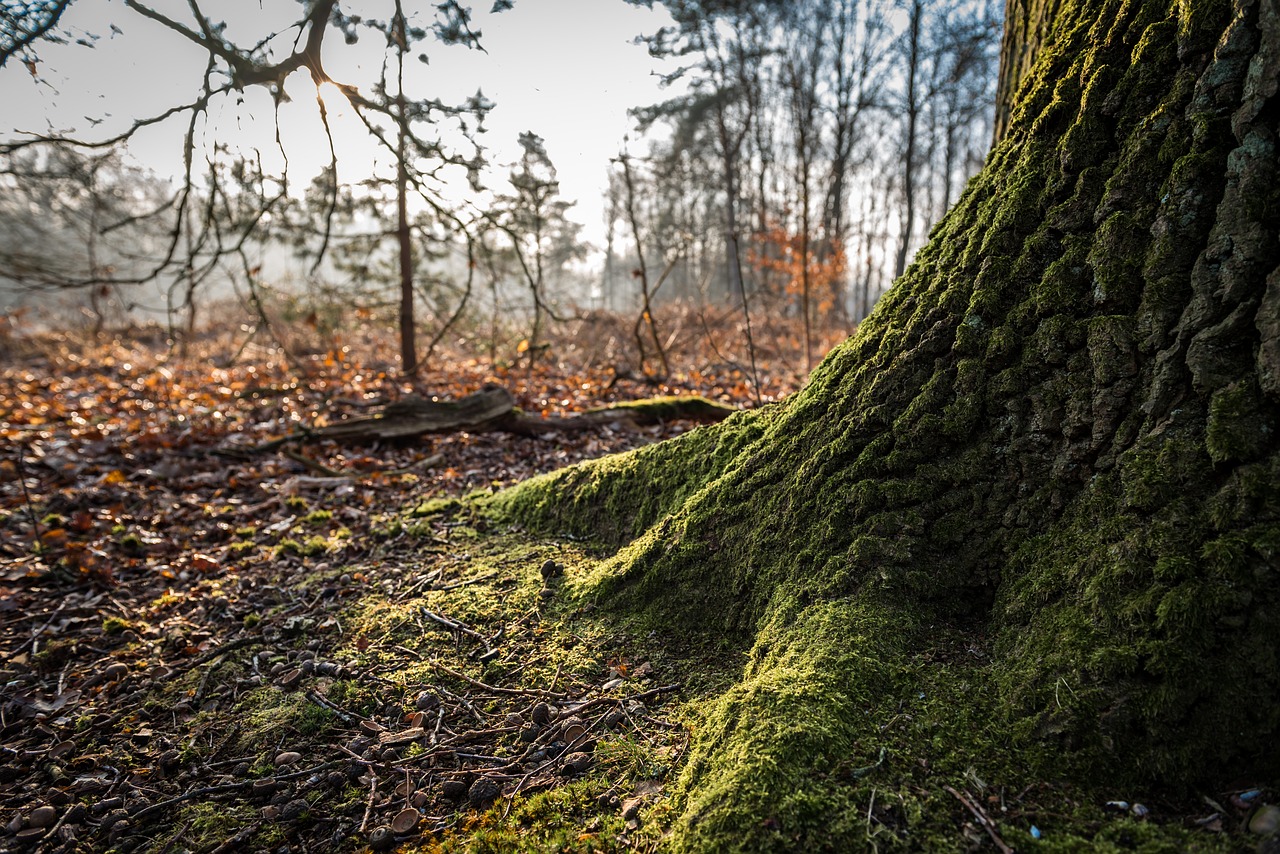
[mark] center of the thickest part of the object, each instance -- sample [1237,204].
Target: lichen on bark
[1053,446]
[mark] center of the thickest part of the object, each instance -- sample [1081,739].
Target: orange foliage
[779,251]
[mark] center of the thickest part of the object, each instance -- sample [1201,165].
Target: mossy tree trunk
[1027,519]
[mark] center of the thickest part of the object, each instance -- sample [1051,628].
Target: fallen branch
[983,820]
[491,408]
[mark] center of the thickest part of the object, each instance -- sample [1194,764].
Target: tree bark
[1025,523]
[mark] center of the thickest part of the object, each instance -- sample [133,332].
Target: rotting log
[494,408]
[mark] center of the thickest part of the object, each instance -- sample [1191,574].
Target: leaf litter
[204,651]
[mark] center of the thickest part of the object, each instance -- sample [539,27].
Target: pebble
[15,824]
[43,816]
[483,792]
[287,758]
[294,809]
[575,763]
[381,838]
[1265,820]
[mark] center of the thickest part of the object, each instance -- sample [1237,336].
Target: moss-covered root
[858,727]
[774,755]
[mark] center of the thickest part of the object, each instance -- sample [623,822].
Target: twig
[520,692]
[313,465]
[320,700]
[229,787]
[983,820]
[368,807]
[234,841]
[217,651]
[457,584]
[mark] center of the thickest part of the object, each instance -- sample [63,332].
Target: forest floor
[311,648]
[205,650]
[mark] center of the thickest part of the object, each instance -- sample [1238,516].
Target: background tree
[410,131]
[540,239]
[1023,526]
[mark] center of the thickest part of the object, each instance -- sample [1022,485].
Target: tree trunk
[1024,526]
[404,237]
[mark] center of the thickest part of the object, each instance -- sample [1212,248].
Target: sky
[565,69]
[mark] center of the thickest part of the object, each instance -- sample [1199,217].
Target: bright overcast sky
[564,69]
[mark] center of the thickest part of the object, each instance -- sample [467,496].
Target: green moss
[115,625]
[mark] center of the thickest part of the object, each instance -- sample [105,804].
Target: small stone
[16,823]
[1265,820]
[44,816]
[575,763]
[541,714]
[454,790]
[108,804]
[611,684]
[483,792]
[287,758]
[405,820]
[381,838]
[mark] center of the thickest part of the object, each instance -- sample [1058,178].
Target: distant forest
[806,151]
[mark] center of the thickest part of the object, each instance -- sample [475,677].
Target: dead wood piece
[491,408]
[414,416]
